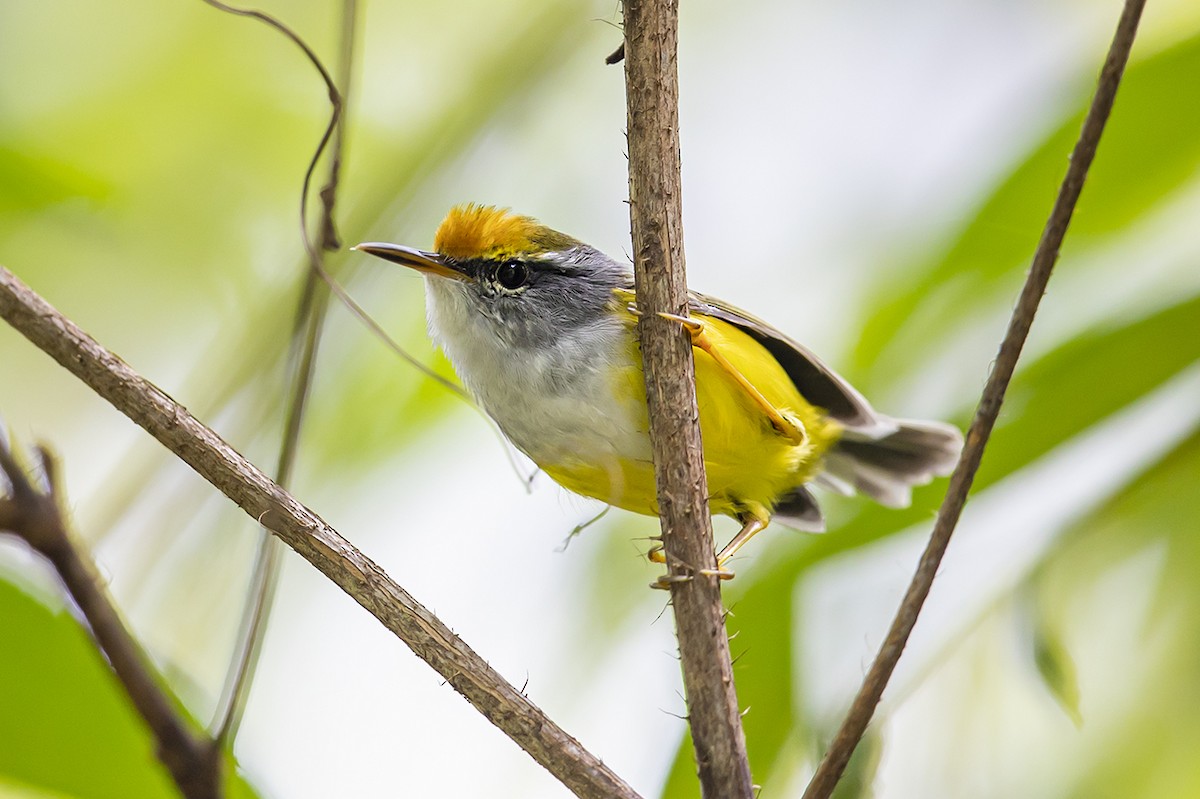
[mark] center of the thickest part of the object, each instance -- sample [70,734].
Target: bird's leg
[785,424]
[751,526]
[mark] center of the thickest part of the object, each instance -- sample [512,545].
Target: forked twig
[35,515]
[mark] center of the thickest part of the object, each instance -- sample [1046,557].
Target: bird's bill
[430,263]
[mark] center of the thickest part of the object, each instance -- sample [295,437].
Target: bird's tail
[886,467]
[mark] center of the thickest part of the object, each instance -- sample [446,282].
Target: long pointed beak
[428,262]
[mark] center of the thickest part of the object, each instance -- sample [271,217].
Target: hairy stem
[652,94]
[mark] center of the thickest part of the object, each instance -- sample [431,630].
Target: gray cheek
[549,313]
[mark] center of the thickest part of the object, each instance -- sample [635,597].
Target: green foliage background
[150,157]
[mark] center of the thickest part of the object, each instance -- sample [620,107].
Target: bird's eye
[512,275]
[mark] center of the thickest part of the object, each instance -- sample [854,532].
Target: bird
[541,329]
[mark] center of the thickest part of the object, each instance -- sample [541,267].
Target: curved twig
[310,318]
[335,100]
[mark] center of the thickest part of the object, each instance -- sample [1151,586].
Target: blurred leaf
[1153,752]
[1054,663]
[1085,380]
[1058,397]
[13,790]
[30,183]
[759,625]
[78,734]
[857,781]
[1150,149]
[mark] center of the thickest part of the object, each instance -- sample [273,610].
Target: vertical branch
[310,319]
[652,94]
[859,716]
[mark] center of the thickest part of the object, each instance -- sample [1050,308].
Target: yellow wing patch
[485,231]
[750,465]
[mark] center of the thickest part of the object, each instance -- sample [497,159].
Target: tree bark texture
[652,95]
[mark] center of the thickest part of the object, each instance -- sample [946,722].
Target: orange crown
[485,231]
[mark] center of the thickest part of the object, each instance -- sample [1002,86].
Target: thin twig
[859,716]
[377,330]
[652,94]
[305,532]
[335,101]
[35,516]
[310,319]
[329,239]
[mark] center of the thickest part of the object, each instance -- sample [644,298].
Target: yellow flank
[484,231]
[749,463]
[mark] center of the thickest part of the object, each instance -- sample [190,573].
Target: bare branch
[652,94]
[859,716]
[35,516]
[305,532]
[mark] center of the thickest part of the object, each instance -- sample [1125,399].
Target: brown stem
[652,94]
[305,532]
[192,758]
[834,763]
[310,319]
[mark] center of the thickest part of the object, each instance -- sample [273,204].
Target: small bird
[542,330]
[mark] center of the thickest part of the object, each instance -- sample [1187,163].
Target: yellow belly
[749,463]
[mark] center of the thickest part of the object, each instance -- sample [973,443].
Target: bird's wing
[819,384]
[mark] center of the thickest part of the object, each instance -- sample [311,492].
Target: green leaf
[1054,664]
[1153,752]
[1149,150]
[31,183]
[66,726]
[1058,397]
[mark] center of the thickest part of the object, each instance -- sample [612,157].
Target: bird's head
[495,272]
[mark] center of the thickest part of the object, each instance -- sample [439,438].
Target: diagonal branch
[192,758]
[859,716]
[305,532]
[652,94]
